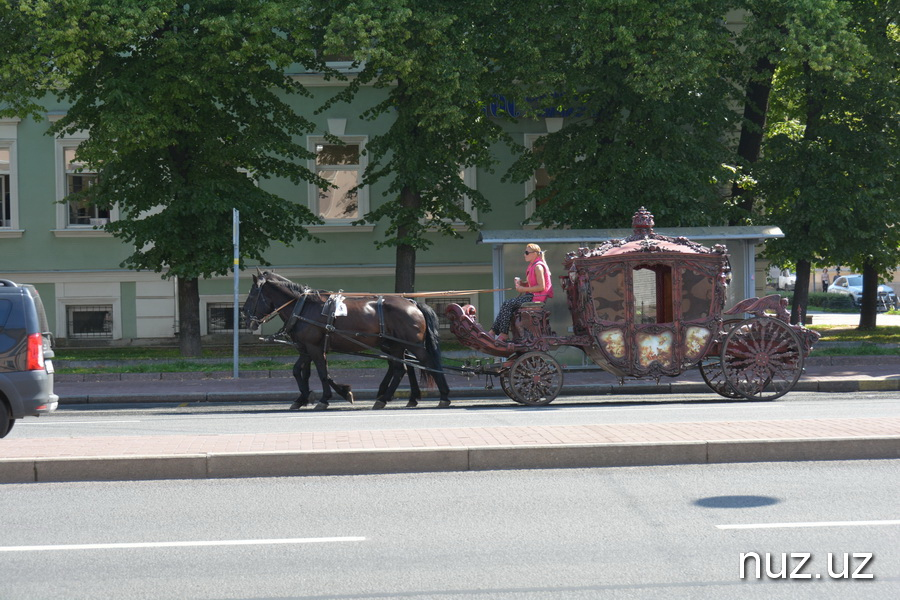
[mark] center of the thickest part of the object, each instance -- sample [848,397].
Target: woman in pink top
[536,289]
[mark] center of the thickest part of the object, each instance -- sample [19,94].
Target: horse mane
[297,288]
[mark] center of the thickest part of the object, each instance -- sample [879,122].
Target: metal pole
[236,228]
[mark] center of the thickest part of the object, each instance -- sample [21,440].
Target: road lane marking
[808,524]
[188,544]
[64,422]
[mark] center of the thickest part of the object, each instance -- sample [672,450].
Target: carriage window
[608,295]
[697,294]
[652,294]
[342,165]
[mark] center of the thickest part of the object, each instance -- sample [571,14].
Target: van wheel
[5,422]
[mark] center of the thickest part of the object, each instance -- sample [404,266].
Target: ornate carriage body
[649,306]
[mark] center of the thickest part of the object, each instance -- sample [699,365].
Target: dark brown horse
[394,325]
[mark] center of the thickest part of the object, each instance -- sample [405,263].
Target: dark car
[26,350]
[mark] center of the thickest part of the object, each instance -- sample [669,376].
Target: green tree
[187,108]
[644,90]
[436,63]
[828,177]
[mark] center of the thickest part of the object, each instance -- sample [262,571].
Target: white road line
[809,524]
[64,422]
[119,546]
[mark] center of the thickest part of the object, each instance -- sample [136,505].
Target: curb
[825,386]
[425,460]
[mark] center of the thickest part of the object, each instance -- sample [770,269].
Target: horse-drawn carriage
[645,307]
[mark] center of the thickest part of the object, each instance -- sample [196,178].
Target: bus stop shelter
[747,280]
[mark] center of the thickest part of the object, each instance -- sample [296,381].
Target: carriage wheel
[506,385]
[535,378]
[711,367]
[761,358]
[712,373]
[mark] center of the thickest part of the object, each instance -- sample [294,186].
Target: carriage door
[652,289]
[654,336]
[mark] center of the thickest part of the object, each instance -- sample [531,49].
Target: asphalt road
[205,418]
[639,532]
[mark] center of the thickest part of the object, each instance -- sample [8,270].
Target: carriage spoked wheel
[535,379]
[506,385]
[711,367]
[761,358]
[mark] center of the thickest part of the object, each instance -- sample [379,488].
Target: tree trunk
[405,269]
[756,106]
[189,317]
[801,293]
[869,313]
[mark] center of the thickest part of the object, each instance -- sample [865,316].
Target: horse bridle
[256,322]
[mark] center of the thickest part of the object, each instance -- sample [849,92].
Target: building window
[220,318]
[468,177]
[89,322]
[80,212]
[342,165]
[540,180]
[5,189]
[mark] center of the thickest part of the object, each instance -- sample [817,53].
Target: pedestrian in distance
[825,279]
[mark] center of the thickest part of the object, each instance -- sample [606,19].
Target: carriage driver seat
[531,321]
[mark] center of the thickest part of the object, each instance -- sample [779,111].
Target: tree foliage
[436,62]
[644,90]
[186,105]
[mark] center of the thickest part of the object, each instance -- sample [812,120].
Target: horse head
[257,305]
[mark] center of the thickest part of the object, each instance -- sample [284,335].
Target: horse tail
[432,344]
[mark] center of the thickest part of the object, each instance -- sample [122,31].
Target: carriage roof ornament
[642,222]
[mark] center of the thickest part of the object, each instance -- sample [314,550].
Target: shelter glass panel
[644,286]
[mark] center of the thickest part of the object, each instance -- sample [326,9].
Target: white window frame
[63,227]
[362,194]
[8,139]
[470,178]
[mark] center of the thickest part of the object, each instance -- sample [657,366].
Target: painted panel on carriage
[695,342]
[654,348]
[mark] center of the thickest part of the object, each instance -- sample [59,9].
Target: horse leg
[322,369]
[415,393]
[301,373]
[341,389]
[389,385]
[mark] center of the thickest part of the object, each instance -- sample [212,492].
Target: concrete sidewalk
[445,449]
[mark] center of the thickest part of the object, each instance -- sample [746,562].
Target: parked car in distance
[852,285]
[26,350]
[786,280]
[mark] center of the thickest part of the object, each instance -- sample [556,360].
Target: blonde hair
[534,248]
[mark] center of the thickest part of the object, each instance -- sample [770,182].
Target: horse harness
[331,309]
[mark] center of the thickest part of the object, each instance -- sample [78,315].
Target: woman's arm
[541,282]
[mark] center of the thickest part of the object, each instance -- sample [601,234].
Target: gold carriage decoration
[648,306]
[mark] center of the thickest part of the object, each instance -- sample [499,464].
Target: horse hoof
[297,405]
[350,397]
[321,406]
[444,404]
[412,403]
[379,405]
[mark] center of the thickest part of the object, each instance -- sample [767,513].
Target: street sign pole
[235,228]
